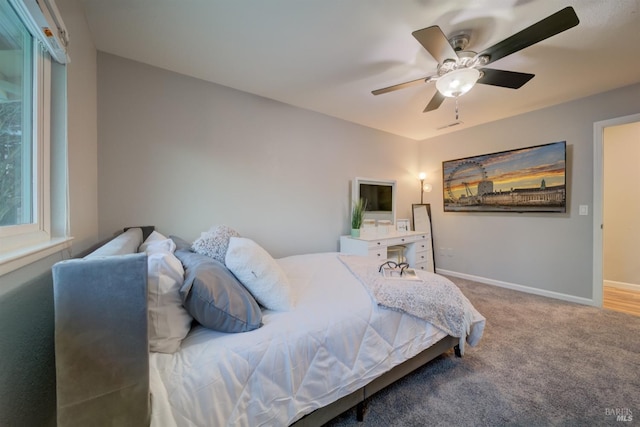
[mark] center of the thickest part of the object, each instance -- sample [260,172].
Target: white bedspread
[334,342]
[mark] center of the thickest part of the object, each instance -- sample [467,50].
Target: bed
[303,366]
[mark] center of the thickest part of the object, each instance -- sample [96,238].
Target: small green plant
[357,213]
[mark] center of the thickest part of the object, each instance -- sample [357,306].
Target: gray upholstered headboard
[101,341]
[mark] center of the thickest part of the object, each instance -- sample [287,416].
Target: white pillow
[169,321]
[260,274]
[156,242]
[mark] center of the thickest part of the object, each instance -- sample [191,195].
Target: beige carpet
[541,362]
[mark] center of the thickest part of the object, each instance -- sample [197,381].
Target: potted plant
[357,215]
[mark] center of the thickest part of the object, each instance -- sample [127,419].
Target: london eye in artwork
[530,179]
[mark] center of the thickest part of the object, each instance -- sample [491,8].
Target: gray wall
[549,252]
[200,154]
[184,154]
[27,366]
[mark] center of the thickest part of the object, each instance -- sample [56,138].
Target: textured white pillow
[260,274]
[169,321]
[214,243]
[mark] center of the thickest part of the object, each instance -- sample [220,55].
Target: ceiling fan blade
[434,103]
[399,86]
[436,43]
[541,30]
[509,79]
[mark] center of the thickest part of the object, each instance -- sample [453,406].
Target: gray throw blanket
[434,298]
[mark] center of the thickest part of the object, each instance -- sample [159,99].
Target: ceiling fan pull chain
[456,109]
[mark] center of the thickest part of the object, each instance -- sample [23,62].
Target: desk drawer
[376,244]
[423,266]
[423,245]
[378,253]
[423,256]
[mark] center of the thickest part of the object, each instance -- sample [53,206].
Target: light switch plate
[584,210]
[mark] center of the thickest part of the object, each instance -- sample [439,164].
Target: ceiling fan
[459,69]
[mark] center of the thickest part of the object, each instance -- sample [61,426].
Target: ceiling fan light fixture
[457,82]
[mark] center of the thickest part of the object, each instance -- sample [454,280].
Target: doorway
[616,278]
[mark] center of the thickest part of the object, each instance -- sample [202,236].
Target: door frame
[598,207]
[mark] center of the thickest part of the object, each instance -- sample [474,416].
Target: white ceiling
[328,55]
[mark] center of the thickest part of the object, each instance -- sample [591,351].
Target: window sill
[15,259]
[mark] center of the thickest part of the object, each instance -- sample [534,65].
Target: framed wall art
[530,179]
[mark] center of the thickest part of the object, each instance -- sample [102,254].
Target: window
[25,118]
[16,118]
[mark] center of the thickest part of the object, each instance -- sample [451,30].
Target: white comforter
[334,342]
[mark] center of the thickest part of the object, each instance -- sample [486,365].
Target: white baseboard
[516,287]
[621,285]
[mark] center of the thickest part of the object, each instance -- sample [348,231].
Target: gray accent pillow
[214,297]
[181,244]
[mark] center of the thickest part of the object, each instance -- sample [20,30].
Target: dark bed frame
[101,342]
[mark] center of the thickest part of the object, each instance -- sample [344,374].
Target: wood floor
[624,300]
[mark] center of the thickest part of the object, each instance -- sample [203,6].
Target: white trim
[621,285]
[14,260]
[516,287]
[598,178]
